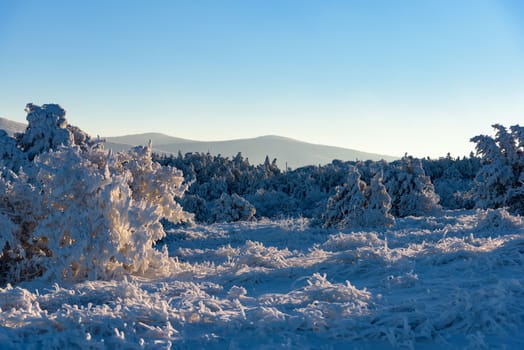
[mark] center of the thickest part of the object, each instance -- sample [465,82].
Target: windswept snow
[452,281]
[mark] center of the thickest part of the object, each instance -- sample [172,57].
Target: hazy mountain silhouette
[11,127]
[142,139]
[288,151]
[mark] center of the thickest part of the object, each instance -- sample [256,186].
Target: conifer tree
[347,206]
[500,180]
[378,204]
[411,190]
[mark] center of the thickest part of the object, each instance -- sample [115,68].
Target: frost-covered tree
[355,204]
[453,179]
[81,211]
[347,206]
[197,206]
[500,180]
[411,190]
[230,208]
[273,203]
[48,129]
[268,168]
[378,204]
[106,212]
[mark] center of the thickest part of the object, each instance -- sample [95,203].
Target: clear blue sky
[381,76]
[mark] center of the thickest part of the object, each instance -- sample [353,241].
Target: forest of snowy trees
[408,186]
[493,178]
[71,210]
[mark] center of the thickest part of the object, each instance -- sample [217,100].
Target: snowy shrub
[346,207]
[197,206]
[106,215]
[454,193]
[8,228]
[354,204]
[411,190]
[378,204]
[255,254]
[48,129]
[344,241]
[232,208]
[453,179]
[81,211]
[22,252]
[497,219]
[272,203]
[500,180]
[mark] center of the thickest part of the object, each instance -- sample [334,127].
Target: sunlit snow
[451,281]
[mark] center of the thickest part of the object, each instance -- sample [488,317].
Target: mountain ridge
[11,126]
[289,152]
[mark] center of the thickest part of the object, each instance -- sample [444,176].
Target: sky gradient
[387,77]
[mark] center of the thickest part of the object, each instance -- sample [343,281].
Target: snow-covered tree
[106,211]
[197,206]
[378,204]
[230,208]
[500,181]
[268,168]
[355,204]
[48,129]
[411,190]
[347,206]
[81,211]
[272,203]
[453,179]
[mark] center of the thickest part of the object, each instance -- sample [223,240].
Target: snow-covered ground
[453,281]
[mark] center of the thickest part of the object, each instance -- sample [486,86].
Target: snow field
[451,281]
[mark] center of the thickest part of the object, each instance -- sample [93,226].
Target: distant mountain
[288,151]
[143,139]
[11,127]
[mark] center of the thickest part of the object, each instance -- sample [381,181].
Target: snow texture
[451,281]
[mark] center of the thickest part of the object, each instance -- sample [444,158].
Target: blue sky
[381,76]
